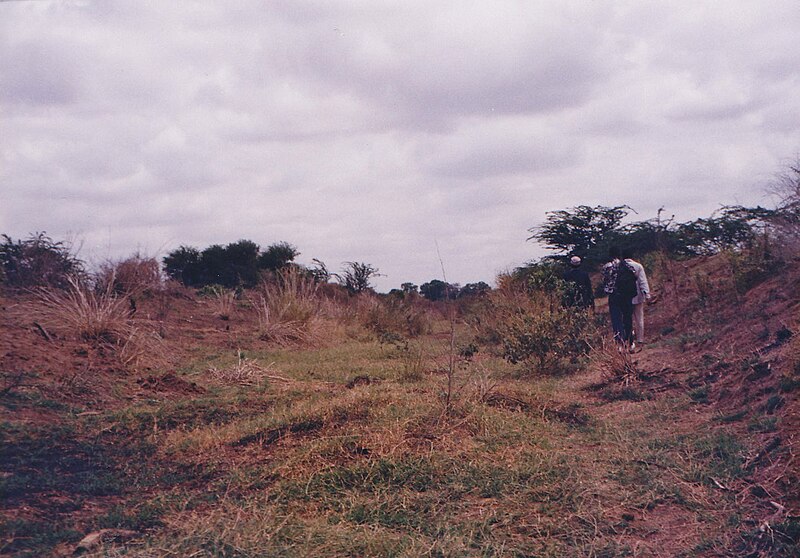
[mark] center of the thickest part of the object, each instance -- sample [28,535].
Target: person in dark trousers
[619,282]
[579,286]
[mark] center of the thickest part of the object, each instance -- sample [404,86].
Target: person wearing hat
[579,292]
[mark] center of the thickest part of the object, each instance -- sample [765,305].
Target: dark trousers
[621,310]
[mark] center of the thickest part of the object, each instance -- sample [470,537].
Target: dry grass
[615,363]
[289,310]
[132,276]
[323,466]
[223,303]
[390,315]
[245,372]
[103,318]
[93,315]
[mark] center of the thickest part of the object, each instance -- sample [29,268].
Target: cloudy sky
[387,132]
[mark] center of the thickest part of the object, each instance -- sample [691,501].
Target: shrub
[533,328]
[394,316]
[132,276]
[38,261]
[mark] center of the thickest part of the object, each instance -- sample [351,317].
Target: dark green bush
[37,261]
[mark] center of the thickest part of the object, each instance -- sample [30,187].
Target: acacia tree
[357,276]
[583,231]
[277,256]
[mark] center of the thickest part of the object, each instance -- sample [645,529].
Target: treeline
[238,264]
[589,232]
[582,231]
[41,261]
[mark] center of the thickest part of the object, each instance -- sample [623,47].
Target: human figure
[621,289]
[579,286]
[642,296]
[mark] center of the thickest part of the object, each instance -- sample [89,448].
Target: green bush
[753,265]
[37,261]
[533,328]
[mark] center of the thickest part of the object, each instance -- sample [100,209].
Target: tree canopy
[236,264]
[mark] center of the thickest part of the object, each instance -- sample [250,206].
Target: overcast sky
[376,131]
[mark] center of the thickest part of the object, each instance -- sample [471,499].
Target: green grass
[308,466]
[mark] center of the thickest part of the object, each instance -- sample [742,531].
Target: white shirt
[642,287]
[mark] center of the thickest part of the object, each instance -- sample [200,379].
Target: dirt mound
[735,353]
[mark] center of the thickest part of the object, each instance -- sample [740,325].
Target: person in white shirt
[642,295]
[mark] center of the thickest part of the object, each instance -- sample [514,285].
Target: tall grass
[223,302]
[93,315]
[289,309]
[100,317]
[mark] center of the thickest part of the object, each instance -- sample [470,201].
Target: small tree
[183,264]
[583,231]
[409,288]
[242,259]
[357,276]
[277,256]
[320,271]
[474,289]
[439,290]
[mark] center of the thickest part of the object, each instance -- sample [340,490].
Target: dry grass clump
[94,315]
[245,372]
[289,309]
[390,315]
[223,302]
[132,276]
[101,317]
[616,364]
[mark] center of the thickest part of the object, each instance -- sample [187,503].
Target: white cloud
[373,131]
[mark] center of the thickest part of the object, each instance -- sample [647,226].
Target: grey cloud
[497,148]
[36,72]
[366,130]
[454,62]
